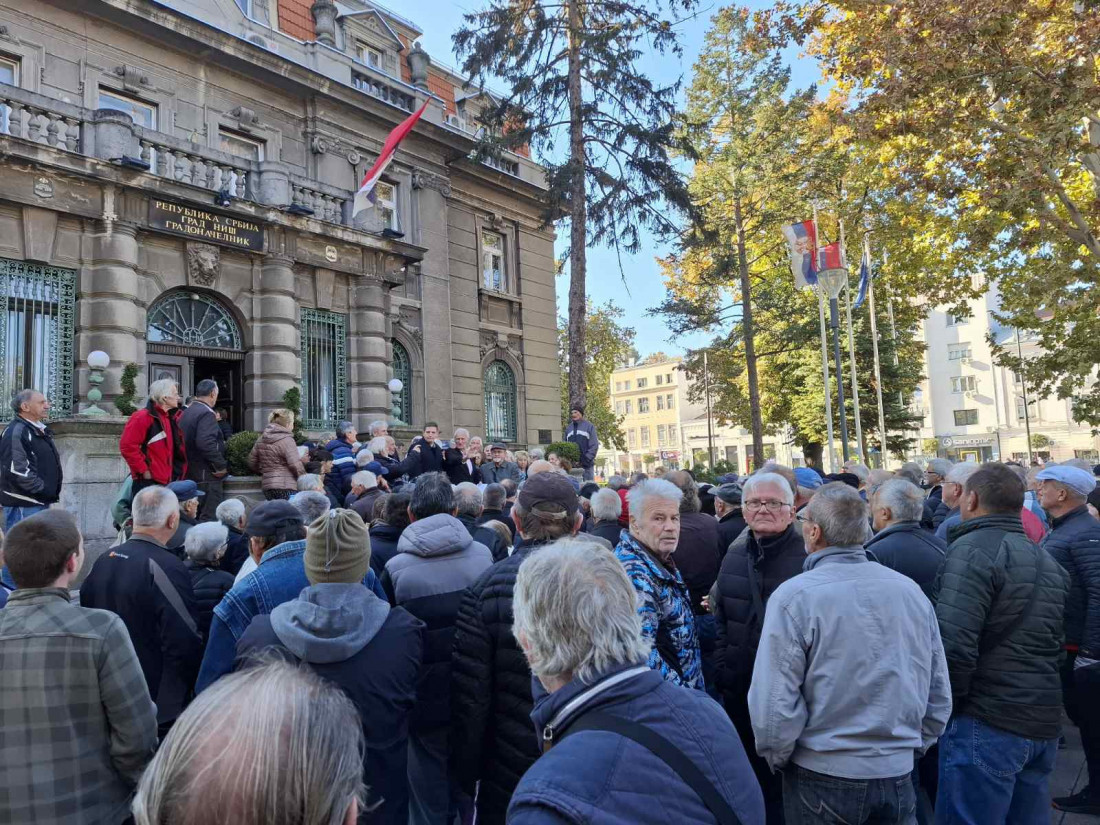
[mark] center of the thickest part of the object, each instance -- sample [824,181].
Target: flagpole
[851,348]
[874,346]
[825,362]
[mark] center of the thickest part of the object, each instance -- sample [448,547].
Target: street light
[98,361]
[831,282]
[395,386]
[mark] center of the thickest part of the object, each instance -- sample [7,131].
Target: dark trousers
[771,784]
[810,798]
[1086,682]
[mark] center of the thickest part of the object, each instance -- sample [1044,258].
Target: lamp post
[831,281]
[98,361]
[395,387]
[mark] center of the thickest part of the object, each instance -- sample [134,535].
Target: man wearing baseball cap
[1074,542]
[190,498]
[350,637]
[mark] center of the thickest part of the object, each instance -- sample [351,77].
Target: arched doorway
[190,337]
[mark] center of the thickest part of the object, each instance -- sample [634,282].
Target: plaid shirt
[77,726]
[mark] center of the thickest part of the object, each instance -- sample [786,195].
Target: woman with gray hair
[576,620]
[205,545]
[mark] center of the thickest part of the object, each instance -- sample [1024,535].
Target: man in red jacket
[151,442]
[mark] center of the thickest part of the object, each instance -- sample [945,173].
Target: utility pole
[710,425]
[1023,387]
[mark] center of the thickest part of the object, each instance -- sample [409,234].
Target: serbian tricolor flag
[829,257]
[364,198]
[802,238]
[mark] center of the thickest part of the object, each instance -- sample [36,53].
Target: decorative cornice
[426,180]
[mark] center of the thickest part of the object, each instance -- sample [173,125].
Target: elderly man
[1074,542]
[152,443]
[606,506]
[1031,495]
[231,513]
[899,541]
[149,588]
[491,698]
[204,546]
[459,461]
[273,744]
[727,509]
[951,487]
[343,459]
[499,468]
[190,498]
[764,556]
[850,682]
[1000,603]
[364,493]
[494,498]
[204,444]
[935,474]
[30,467]
[576,620]
[468,509]
[386,532]
[664,600]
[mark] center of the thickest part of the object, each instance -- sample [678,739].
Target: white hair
[577,611]
[309,481]
[939,466]
[606,505]
[159,390]
[365,478]
[655,489]
[303,452]
[761,479]
[153,506]
[468,499]
[230,512]
[312,504]
[903,497]
[537,454]
[959,473]
[860,471]
[377,446]
[841,514]
[203,541]
[363,457]
[461,431]
[378,425]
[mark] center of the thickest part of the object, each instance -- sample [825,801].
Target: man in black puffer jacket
[1000,601]
[492,740]
[1074,542]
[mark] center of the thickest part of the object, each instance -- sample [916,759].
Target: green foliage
[566,449]
[1040,441]
[930,446]
[703,473]
[124,402]
[292,400]
[237,450]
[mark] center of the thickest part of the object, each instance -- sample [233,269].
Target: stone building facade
[176,183]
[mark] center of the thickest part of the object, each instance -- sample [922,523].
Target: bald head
[540,466]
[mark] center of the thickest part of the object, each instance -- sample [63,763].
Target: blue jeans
[990,775]
[810,798]
[12,516]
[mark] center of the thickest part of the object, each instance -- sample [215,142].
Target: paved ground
[1069,777]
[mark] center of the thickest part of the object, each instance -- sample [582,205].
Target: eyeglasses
[802,518]
[770,506]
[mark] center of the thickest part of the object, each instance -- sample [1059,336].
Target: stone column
[272,367]
[109,314]
[435,302]
[368,353]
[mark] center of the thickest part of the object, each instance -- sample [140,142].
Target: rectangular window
[245,6]
[631,438]
[964,418]
[1091,456]
[143,113]
[731,455]
[618,386]
[9,70]
[957,351]
[386,201]
[661,435]
[672,434]
[629,407]
[626,385]
[643,405]
[1017,378]
[660,402]
[668,377]
[242,146]
[660,379]
[957,320]
[37,311]
[964,383]
[370,56]
[645,436]
[324,368]
[493,274]
[668,400]
[643,383]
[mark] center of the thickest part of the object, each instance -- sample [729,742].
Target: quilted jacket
[275,457]
[1074,542]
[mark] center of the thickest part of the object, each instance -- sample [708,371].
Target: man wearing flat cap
[1074,542]
[727,507]
[500,468]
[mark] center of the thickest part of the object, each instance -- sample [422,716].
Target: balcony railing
[376,85]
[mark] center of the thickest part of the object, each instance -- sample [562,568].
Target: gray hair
[783,471]
[652,489]
[904,498]
[432,495]
[159,390]
[494,496]
[876,478]
[377,446]
[577,612]
[312,504]
[365,478]
[20,398]
[461,431]
[270,745]
[537,454]
[468,499]
[939,466]
[912,471]
[959,473]
[841,514]
[860,471]
[343,428]
[206,388]
[230,512]
[761,479]
[309,481]
[606,505]
[203,541]
[153,506]
[363,457]
[1079,463]
[616,482]
[378,425]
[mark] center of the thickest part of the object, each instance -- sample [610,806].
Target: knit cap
[337,549]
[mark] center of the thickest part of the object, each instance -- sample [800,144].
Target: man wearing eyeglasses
[757,562]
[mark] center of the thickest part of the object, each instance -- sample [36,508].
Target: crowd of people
[454,633]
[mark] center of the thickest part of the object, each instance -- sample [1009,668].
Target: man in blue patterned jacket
[668,623]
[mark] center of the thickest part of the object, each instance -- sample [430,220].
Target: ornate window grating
[37,313]
[500,402]
[403,371]
[324,368]
[193,320]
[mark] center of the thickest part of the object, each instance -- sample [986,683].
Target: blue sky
[441,18]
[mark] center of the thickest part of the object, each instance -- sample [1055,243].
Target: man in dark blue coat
[576,620]
[581,432]
[343,460]
[899,542]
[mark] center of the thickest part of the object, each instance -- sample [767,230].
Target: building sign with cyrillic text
[202,225]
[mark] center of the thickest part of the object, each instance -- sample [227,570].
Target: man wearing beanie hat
[581,432]
[354,639]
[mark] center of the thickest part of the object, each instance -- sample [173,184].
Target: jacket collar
[900,527]
[656,568]
[147,539]
[1055,523]
[282,551]
[766,545]
[1011,524]
[38,595]
[731,514]
[835,555]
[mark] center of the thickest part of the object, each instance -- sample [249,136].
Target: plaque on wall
[202,224]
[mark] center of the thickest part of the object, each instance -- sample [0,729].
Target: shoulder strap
[990,642]
[668,753]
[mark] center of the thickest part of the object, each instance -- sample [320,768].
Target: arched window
[403,372]
[500,402]
[193,320]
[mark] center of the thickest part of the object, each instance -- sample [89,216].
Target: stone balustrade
[187,162]
[377,85]
[326,203]
[40,119]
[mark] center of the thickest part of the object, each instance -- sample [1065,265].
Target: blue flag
[864,277]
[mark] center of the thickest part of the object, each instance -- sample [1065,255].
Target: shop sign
[202,224]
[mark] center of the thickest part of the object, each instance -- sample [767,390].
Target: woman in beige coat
[275,457]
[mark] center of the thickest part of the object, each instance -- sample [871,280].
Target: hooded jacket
[583,434]
[911,550]
[152,442]
[350,637]
[1074,542]
[275,457]
[436,561]
[30,468]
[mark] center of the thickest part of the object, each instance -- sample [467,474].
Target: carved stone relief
[426,180]
[203,264]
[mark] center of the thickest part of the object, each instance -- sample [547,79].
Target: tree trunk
[750,345]
[578,216]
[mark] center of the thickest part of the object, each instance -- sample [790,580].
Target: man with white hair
[365,492]
[935,473]
[899,542]
[764,556]
[850,680]
[152,442]
[460,462]
[951,488]
[468,508]
[231,513]
[576,621]
[149,588]
[606,507]
[379,429]
[646,550]
[312,504]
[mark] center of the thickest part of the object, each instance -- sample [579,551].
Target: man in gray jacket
[850,682]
